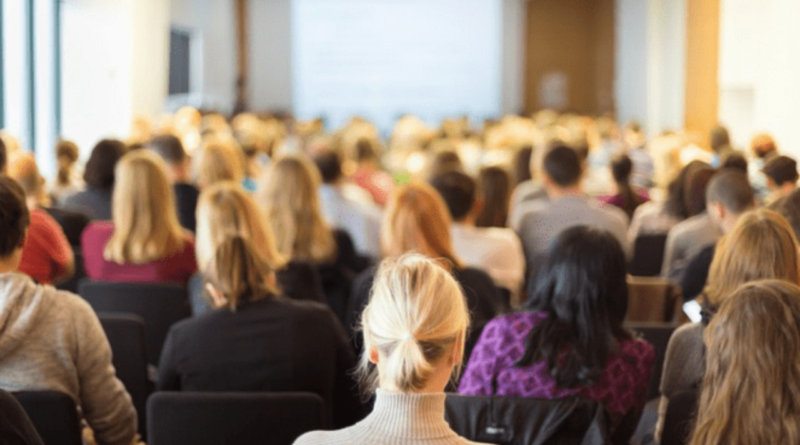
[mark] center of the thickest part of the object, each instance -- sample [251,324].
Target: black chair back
[680,417]
[71,284]
[527,421]
[16,427]
[126,334]
[54,415]
[648,254]
[657,334]
[159,304]
[208,418]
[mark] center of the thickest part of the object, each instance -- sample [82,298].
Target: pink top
[47,252]
[378,183]
[175,268]
[621,387]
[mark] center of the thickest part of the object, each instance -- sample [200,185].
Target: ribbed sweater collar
[408,416]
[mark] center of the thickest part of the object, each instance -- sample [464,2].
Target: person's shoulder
[321,437]
[100,227]
[471,276]
[639,349]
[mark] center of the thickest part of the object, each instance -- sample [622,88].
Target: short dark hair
[583,290]
[563,165]
[694,193]
[781,169]
[99,172]
[719,138]
[329,164]
[3,156]
[14,216]
[621,168]
[169,147]
[732,189]
[734,160]
[458,191]
[365,150]
[789,207]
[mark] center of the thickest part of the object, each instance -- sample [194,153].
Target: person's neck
[555,192]
[10,264]
[466,221]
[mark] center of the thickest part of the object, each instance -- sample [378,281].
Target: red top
[379,184]
[177,268]
[47,251]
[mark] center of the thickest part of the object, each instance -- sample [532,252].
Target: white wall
[650,63]
[515,20]
[113,66]
[270,55]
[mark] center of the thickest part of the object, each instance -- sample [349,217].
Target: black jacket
[276,344]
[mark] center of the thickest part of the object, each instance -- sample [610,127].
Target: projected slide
[383,58]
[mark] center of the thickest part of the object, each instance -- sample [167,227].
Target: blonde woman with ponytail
[414,330]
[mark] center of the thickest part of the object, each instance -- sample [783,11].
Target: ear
[716,211]
[218,299]
[373,355]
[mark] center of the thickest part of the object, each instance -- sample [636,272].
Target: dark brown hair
[14,216]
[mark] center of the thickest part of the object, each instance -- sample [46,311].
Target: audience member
[762,149]
[258,341]
[344,209]
[178,166]
[729,195]
[288,194]
[144,242]
[98,175]
[734,160]
[417,220]
[414,331]
[68,182]
[368,174]
[627,199]
[687,238]
[522,165]
[226,209]
[442,162]
[495,250]
[751,390]
[568,206]
[219,159]
[761,245]
[494,186]
[720,142]
[642,168]
[47,254]
[52,339]
[527,192]
[570,342]
[781,173]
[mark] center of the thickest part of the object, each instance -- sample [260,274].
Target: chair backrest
[651,299]
[71,285]
[15,426]
[159,304]
[648,254]
[680,417]
[208,418]
[54,415]
[527,421]
[125,333]
[657,334]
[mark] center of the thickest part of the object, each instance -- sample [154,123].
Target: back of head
[225,209]
[719,138]
[762,245]
[169,147]
[220,159]
[99,171]
[26,173]
[288,193]
[494,185]
[563,166]
[734,160]
[751,390]
[781,170]
[239,272]
[676,203]
[66,155]
[146,226]
[621,168]
[416,315]
[583,290]
[329,164]
[790,209]
[763,145]
[416,220]
[732,189]
[443,162]
[694,190]
[458,191]
[366,151]
[522,164]
[14,216]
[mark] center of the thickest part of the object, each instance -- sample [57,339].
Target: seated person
[495,250]
[52,340]
[570,342]
[171,151]
[494,184]
[226,209]
[414,328]
[627,199]
[256,340]
[760,246]
[99,176]
[47,255]
[781,173]
[144,242]
[749,394]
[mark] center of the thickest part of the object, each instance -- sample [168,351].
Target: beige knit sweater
[396,419]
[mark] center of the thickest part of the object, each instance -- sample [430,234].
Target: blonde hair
[220,159]
[146,226]
[240,273]
[416,313]
[224,210]
[762,245]
[287,191]
[751,390]
[417,219]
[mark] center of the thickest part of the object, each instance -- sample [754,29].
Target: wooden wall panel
[702,67]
